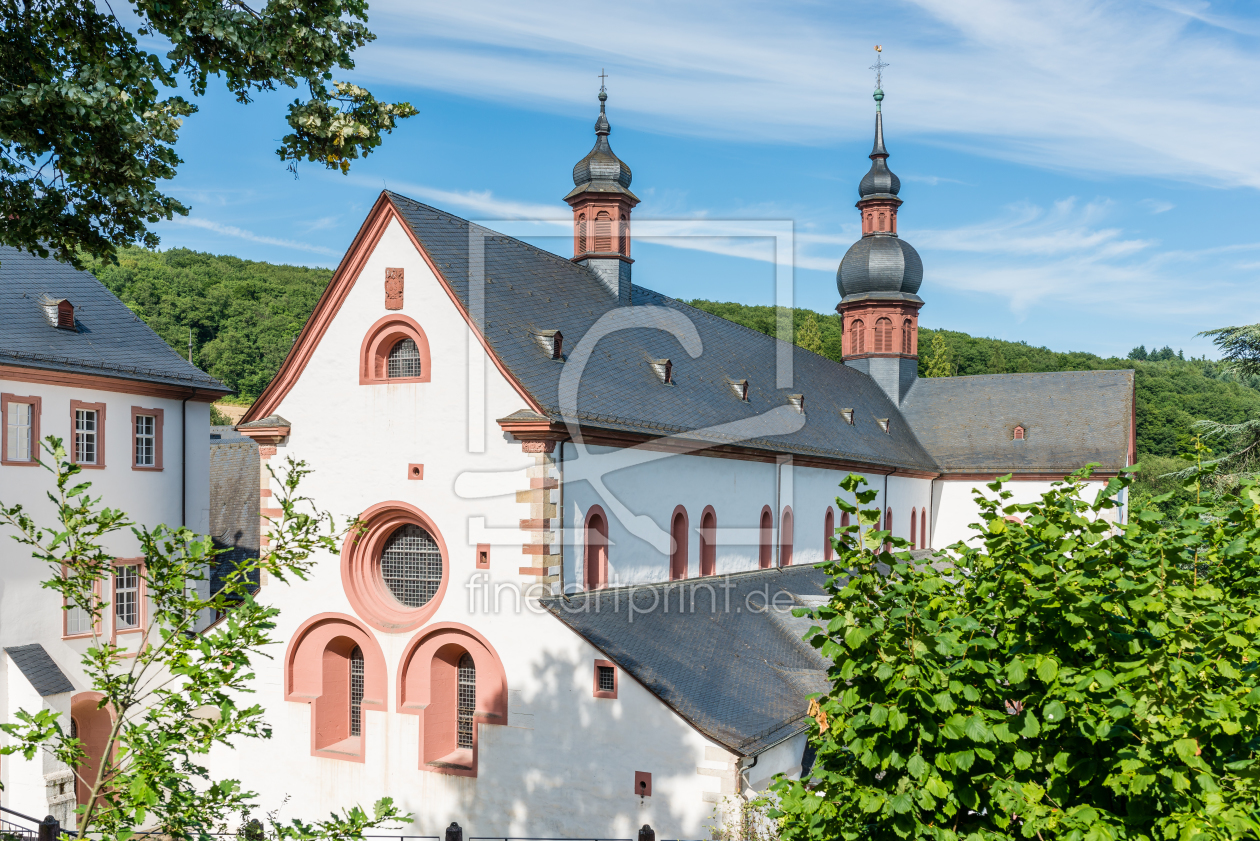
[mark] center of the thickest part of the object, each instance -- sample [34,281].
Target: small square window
[607,679]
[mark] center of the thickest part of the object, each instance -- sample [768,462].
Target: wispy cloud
[1156,206]
[240,233]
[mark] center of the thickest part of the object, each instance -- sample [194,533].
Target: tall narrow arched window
[466,702]
[907,333]
[883,336]
[596,550]
[829,531]
[923,531]
[888,523]
[356,692]
[883,225]
[870,223]
[857,339]
[678,548]
[765,554]
[581,226]
[623,236]
[403,360]
[785,539]
[708,543]
[603,232]
[844,535]
[914,532]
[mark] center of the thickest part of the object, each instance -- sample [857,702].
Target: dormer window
[798,402]
[1018,434]
[883,423]
[664,370]
[740,387]
[847,414]
[552,343]
[58,312]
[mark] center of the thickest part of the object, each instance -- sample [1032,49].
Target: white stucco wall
[955,508]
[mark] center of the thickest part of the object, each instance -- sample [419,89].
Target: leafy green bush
[1063,677]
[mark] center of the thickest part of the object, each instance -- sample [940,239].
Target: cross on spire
[879,65]
[602,77]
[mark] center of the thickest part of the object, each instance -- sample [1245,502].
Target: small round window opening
[404,360]
[411,566]
[467,700]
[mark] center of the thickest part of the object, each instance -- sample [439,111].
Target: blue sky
[1080,175]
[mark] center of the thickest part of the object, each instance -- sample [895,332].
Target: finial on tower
[878,67]
[603,91]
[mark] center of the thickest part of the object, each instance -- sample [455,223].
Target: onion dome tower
[602,202]
[879,280]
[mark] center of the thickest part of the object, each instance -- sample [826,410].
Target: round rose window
[411,565]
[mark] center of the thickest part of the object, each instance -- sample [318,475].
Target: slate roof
[743,677]
[44,675]
[110,340]
[529,290]
[234,517]
[1070,419]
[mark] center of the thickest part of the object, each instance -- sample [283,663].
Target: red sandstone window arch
[678,544]
[907,334]
[581,226]
[829,531]
[92,724]
[335,664]
[452,679]
[603,232]
[623,236]
[364,565]
[883,222]
[385,336]
[785,538]
[766,554]
[888,525]
[923,529]
[596,563]
[857,339]
[883,336]
[708,541]
[914,533]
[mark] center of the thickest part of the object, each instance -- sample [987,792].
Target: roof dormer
[552,343]
[58,312]
[664,370]
[740,387]
[798,402]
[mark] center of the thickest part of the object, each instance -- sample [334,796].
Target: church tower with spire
[879,280]
[602,203]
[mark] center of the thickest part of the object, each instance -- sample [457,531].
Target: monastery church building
[589,510]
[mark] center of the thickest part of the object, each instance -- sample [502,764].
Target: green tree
[997,360]
[1241,440]
[177,694]
[939,363]
[88,125]
[1060,677]
[808,336]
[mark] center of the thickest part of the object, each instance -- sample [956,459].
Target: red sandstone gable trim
[335,294]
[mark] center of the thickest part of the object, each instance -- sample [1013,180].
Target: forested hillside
[244,316]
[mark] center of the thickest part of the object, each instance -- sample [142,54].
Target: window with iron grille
[607,679]
[19,433]
[85,436]
[411,566]
[146,452]
[467,700]
[126,597]
[356,692]
[404,360]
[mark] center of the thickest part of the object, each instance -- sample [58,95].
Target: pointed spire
[880,180]
[601,170]
[879,149]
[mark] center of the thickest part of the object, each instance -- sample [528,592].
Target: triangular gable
[335,294]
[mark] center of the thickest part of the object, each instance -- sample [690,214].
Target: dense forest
[244,315]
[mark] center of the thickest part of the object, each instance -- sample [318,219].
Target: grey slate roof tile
[38,668]
[110,340]
[1071,418]
[234,516]
[743,677]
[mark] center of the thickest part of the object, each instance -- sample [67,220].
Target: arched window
[466,701]
[596,549]
[923,532]
[356,691]
[857,340]
[888,523]
[581,226]
[907,333]
[883,336]
[90,723]
[914,533]
[870,223]
[603,232]
[766,554]
[403,360]
[883,222]
[708,542]
[844,535]
[829,531]
[678,549]
[623,236]
[785,539]
[411,565]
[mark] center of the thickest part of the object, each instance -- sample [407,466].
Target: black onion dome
[880,264]
[601,171]
[880,180]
